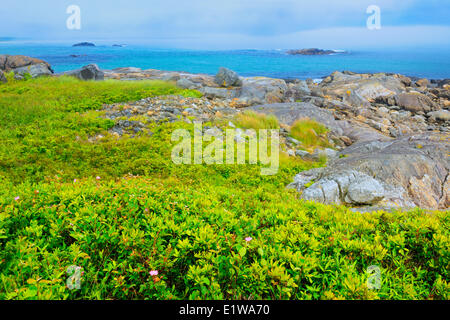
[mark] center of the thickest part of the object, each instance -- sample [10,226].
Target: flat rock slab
[288,113]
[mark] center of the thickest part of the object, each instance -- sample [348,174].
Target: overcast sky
[233,24]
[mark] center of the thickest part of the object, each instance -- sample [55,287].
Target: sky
[233,24]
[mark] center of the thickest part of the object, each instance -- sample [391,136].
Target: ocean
[433,64]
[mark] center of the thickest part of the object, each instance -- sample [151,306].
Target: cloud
[231,22]
[347,38]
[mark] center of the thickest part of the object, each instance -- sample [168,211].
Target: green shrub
[194,234]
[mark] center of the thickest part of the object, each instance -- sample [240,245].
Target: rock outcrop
[21,65]
[391,132]
[415,102]
[394,139]
[288,113]
[406,172]
[84,44]
[35,70]
[89,72]
[312,52]
[227,78]
[259,90]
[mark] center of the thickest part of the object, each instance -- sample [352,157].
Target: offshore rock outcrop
[312,52]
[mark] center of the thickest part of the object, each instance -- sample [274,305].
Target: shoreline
[419,63]
[287,79]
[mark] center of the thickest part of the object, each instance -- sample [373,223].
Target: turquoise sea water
[434,64]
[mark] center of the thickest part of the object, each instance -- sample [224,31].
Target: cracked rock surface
[407,172]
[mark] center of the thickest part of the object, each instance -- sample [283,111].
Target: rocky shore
[390,132]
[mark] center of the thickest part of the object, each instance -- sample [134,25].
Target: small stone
[442,115]
[302,154]
[422,83]
[293,140]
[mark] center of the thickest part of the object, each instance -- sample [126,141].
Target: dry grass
[253,120]
[310,133]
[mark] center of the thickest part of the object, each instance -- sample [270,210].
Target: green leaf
[242,252]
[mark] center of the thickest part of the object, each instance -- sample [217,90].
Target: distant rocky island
[84,44]
[312,52]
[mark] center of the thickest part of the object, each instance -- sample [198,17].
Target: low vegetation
[141,227]
[254,120]
[310,133]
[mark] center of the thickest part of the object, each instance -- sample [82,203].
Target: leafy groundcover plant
[139,227]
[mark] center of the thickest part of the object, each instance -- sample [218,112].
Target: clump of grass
[310,133]
[254,120]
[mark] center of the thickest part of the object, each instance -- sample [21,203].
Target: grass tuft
[254,120]
[310,133]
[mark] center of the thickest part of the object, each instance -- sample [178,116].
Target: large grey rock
[374,89]
[22,65]
[348,187]
[406,172]
[364,190]
[415,102]
[186,84]
[359,90]
[89,72]
[360,132]
[227,78]
[260,90]
[9,62]
[222,93]
[345,187]
[326,191]
[297,91]
[35,70]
